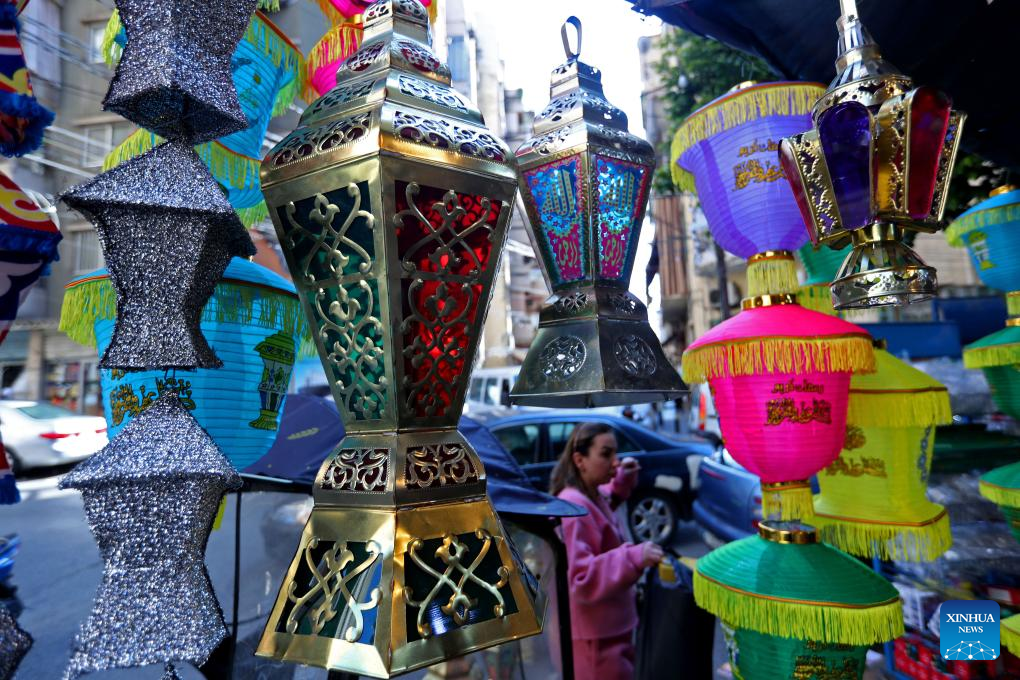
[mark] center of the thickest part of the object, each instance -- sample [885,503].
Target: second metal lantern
[391,201]
[585,182]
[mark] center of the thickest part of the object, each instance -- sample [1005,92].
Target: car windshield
[43,411]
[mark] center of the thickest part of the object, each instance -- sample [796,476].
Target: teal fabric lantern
[254,324]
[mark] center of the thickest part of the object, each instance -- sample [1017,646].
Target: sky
[528,32]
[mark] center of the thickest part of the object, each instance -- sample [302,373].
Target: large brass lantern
[585,181]
[876,164]
[391,202]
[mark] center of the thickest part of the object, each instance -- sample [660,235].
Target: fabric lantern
[872,501]
[392,214]
[820,266]
[585,181]
[1002,487]
[22,117]
[14,644]
[726,151]
[782,582]
[780,377]
[876,164]
[150,497]
[28,243]
[755,656]
[267,71]
[253,322]
[1010,634]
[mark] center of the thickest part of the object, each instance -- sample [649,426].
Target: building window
[87,254]
[98,142]
[96,31]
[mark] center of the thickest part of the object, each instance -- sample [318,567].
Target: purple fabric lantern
[727,151]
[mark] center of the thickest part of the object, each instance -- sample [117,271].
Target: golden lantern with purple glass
[876,165]
[391,202]
[585,181]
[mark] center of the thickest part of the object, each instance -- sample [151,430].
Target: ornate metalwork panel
[307,143]
[363,59]
[365,470]
[444,242]
[572,303]
[330,239]
[455,581]
[336,591]
[559,107]
[558,192]
[563,357]
[623,303]
[439,465]
[337,97]
[621,189]
[634,356]
[443,134]
[432,92]
[417,56]
[550,142]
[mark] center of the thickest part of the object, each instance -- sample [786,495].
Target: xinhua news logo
[969,630]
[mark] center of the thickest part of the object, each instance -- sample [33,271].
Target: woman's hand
[651,554]
[630,466]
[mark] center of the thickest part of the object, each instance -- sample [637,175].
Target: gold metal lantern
[391,202]
[585,182]
[876,165]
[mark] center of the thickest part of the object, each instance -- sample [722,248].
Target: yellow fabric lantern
[872,500]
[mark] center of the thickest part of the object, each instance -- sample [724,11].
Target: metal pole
[848,8]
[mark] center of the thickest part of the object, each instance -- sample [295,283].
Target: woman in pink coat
[602,569]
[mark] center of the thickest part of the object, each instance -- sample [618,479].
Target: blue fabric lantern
[254,324]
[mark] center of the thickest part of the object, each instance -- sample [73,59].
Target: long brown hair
[566,473]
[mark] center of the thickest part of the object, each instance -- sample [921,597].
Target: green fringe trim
[772,277]
[992,217]
[759,356]
[269,5]
[1013,303]
[789,504]
[261,32]
[920,543]
[1000,495]
[804,621]
[1010,634]
[909,408]
[737,108]
[816,297]
[988,357]
[233,302]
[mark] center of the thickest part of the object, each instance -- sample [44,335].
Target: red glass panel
[792,173]
[444,242]
[929,120]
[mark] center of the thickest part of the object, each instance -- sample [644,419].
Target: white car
[37,434]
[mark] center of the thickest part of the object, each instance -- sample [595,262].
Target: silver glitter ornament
[167,233]
[150,497]
[174,75]
[14,644]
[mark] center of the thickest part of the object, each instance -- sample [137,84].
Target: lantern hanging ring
[572,53]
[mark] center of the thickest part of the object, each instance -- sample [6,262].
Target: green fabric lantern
[754,656]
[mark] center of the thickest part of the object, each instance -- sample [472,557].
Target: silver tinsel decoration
[14,644]
[174,75]
[167,233]
[150,499]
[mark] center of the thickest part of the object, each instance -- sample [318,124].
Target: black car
[665,489]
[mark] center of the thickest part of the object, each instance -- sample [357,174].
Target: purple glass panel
[845,134]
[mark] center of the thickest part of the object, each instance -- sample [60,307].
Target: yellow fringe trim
[1000,495]
[889,541]
[988,357]
[816,297]
[729,111]
[824,622]
[339,42]
[1013,303]
[991,217]
[759,356]
[900,408]
[269,5]
[771,277]
[335,17]
[1009,630]
[787,504]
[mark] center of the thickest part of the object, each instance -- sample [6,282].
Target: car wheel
[652,518]
[13,461]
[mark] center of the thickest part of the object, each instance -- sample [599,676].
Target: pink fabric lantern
[780,375]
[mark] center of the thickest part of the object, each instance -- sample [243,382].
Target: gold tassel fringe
[729,111]
[991,217]
[995,355]
[786,504]
[806,621]
[339,42]
[773,276]
[759,356]
[1000,495]
[816,297]
[907,408]
[913,543]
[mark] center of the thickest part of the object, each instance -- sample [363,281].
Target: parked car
[36,434]
[669,467]
[489,392]
[728,505]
